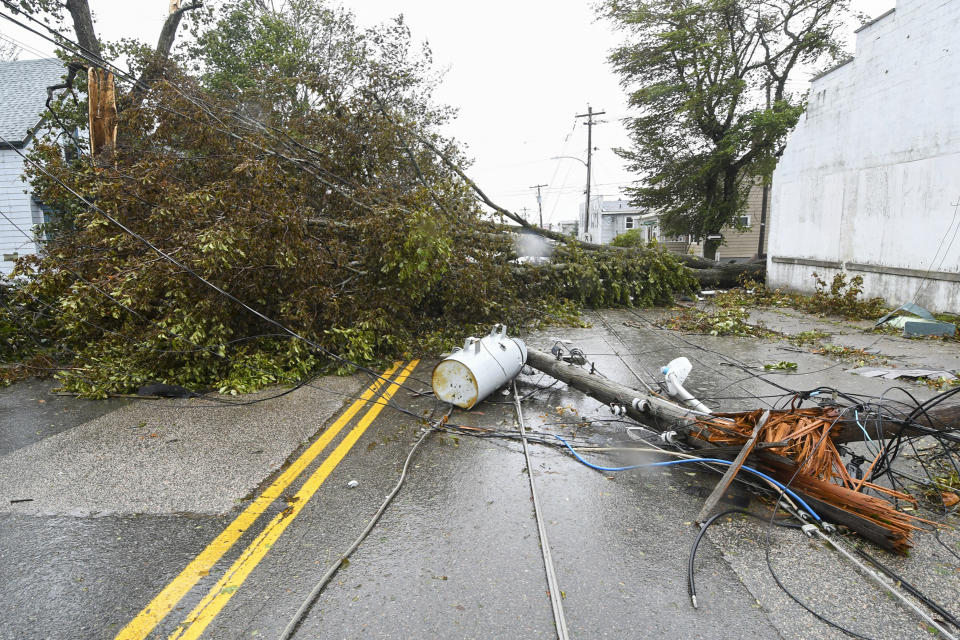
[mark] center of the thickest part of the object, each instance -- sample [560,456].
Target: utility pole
[102,107]
[524,212]
[539,201]
[589,116]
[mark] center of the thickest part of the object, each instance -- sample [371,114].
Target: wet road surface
[456,555]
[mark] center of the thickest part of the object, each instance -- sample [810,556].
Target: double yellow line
[218,596]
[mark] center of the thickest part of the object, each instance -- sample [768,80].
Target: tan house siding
[742,245]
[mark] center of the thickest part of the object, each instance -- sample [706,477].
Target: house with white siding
[610,218]
[869,183]
[23,95]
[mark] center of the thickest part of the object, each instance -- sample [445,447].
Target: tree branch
[168,35]
[83,26]
[546,233]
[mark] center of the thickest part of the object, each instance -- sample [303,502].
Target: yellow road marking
[218,596]
[200,566]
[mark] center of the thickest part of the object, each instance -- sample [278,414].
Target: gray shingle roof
[23,93]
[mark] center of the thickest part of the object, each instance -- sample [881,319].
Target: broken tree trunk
[727,276]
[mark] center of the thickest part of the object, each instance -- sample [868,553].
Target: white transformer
[481,367]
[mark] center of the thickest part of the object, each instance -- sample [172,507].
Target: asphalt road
[120,540]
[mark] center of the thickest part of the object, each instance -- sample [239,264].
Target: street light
[570,158]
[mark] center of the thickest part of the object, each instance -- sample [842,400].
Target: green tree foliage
[700,72]
[299,185]
[630,238]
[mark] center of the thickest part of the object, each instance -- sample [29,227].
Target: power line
[92,57]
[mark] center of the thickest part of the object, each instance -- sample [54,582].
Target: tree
[85,34]
[710,81]
[318,191]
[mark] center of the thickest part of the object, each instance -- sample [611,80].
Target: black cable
[691,584]
[307,603]
[773,573]
[678,337]
[800,602]
[890,573]
[936,534]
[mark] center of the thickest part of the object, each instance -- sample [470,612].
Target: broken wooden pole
[652,408]
[732,470]
[873,517]
[938,421]
[643,406]
[102,107]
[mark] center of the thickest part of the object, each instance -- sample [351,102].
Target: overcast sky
[518,71]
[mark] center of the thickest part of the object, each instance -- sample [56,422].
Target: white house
[869,183]
[610,218]
[23,94]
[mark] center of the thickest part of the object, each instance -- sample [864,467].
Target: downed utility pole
[931,422]
[642,406]
[102,116]
[783,448]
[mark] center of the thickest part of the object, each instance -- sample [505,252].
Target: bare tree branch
[83,26]
[168,35]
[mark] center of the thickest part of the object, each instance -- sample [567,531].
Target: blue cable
[856,418]
[668,463]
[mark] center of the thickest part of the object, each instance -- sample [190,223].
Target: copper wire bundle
[804,439]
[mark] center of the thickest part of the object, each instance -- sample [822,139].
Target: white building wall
[870,180]
[607,219]
[17,205]
[591,232]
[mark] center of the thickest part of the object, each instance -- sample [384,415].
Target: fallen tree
[727,276]
[304,194]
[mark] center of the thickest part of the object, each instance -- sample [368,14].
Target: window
[743,221]
[628,222]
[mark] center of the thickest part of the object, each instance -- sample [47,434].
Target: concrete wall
[870,179]
[17,205]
